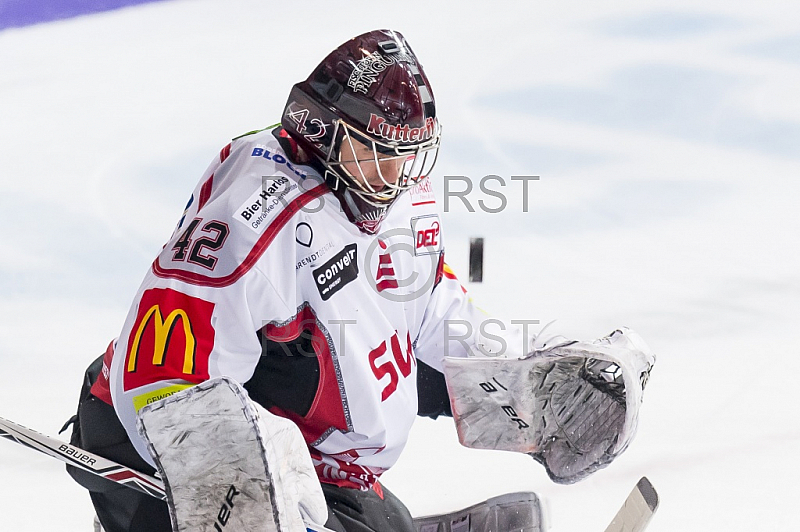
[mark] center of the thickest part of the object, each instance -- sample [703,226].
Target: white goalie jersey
[264,252]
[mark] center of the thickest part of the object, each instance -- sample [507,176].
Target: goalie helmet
[367,113]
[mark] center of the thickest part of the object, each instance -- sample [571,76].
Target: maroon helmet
[367,113]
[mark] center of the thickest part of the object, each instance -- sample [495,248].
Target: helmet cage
[320,131]
[417,162]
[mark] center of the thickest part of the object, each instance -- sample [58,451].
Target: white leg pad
[228,464]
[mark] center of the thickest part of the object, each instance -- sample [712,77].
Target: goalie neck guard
[368,115]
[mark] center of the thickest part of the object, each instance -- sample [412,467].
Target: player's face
[366,170]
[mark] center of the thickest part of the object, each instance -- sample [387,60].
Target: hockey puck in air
[476,260]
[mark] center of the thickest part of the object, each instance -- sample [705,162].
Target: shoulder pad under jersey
[248,200]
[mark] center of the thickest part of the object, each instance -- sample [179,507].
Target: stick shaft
[637,510]
[75,456]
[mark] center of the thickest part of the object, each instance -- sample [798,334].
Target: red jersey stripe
[205,192]
[224,153]
[258,249]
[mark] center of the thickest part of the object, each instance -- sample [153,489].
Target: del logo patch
[426,234]
[171,338]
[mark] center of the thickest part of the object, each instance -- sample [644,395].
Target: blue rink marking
[19,13]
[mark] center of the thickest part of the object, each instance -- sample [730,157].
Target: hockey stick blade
[637,510]
[75,456]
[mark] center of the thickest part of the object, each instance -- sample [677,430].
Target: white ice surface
[667,138]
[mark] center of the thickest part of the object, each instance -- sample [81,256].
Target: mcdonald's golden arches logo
[172,338]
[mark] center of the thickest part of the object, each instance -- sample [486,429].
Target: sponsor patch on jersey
[337,272]
[156,395]
[385,277]
[422,193]
[426,232]
[314,256]
[171,338]
[265,203]
[303,234]
[264,152]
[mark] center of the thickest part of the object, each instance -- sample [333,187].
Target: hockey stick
[90,462]
[74,456]
[633,516]
[637,510]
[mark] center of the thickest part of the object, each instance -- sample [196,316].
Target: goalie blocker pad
[571,405]
[228,464]
[514,512]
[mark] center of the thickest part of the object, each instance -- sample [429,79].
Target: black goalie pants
[120,509]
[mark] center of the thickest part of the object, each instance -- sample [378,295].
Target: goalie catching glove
[571,405]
